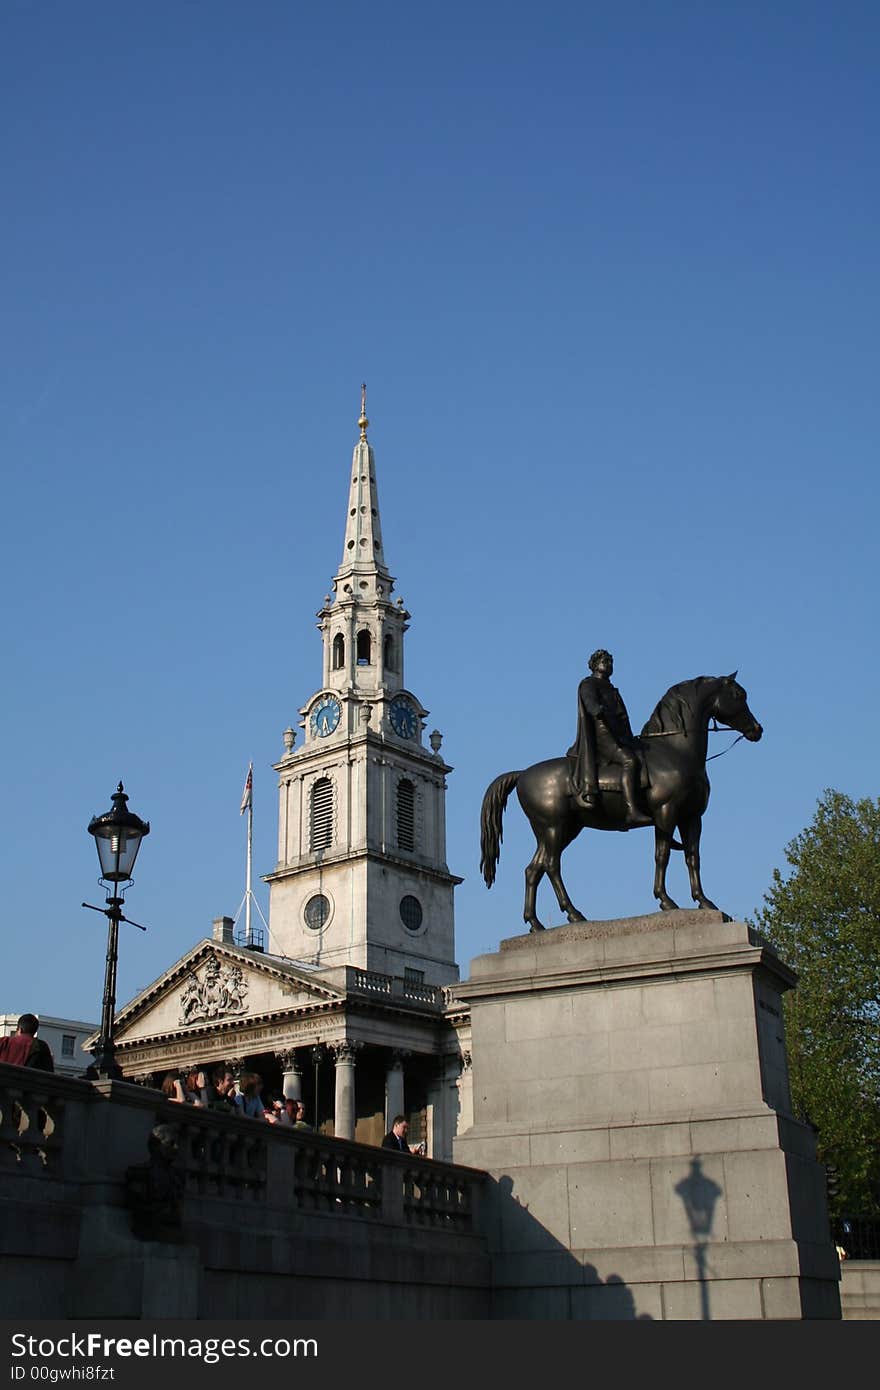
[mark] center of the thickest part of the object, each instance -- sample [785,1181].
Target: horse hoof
[536,926]
[575,916]
[707,903]
[667,905]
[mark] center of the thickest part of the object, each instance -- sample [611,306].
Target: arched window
[363,648]
[338,652]
[321,819]
[406,815]
[389,658]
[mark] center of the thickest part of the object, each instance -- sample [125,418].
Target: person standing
[25,1049]
[396,1137]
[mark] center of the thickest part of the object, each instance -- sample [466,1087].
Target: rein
[715,728]
[723,729]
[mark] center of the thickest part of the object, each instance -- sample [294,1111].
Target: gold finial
[363,421]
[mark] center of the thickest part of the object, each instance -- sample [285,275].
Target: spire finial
[363,422]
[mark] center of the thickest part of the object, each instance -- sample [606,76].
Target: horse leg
[664,823]
[554,873]
[690,831]
[534,873]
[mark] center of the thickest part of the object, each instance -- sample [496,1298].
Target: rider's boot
[634,815]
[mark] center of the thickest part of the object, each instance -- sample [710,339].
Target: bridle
[714,728]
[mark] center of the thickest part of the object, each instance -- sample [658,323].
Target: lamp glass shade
[118,834]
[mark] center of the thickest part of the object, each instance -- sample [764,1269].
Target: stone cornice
[251,960]
[307,866]
[712,962]
[675,943]
[340,743]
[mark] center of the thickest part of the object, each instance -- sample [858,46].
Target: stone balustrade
[31,1122]
[359,981]
[220,1156]
[263,1215]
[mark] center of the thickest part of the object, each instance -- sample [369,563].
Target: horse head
[731,706]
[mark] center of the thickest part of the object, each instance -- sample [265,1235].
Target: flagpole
[248,888]
[247,804]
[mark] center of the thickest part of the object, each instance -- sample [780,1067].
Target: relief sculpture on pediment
[221,991]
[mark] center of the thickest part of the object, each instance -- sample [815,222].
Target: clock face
[404,720]
[325,716]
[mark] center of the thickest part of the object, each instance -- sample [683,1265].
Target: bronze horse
[674,746]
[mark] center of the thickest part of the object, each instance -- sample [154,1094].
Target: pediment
[218,984]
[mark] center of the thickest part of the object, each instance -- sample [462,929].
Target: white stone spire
[363,568]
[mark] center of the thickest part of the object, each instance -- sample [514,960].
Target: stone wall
[860,1290]
[274,1223]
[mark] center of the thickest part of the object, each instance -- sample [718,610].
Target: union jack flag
[248,791]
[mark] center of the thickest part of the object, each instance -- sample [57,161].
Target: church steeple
[362,569]
[361,627]
[362,877]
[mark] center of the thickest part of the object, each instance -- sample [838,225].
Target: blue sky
[610,274]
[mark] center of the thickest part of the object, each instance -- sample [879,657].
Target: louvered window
[321,829]
[338,651]
[406,815]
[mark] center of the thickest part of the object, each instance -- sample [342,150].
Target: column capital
[399,1055]
[345,1052]
[288,1059]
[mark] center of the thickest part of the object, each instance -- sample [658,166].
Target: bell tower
[361,877]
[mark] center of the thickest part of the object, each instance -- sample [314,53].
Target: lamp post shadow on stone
[699,1194]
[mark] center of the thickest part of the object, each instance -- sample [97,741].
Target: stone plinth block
[631,1101]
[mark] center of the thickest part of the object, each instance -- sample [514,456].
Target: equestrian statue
[611,780]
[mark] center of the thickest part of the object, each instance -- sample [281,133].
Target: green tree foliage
[824,921]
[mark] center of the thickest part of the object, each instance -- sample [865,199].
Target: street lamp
[118,834]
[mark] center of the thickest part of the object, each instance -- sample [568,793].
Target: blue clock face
[325,716]
[404,720]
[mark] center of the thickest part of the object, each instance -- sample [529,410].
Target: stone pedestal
[631,1102]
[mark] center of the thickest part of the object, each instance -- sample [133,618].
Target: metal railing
[859,1236]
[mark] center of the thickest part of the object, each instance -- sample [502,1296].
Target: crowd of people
[219,1091]
[215,1090]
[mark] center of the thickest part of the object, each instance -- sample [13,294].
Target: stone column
[394,1087]
[446,1108]
[291,1084]
[465,1095]
[344,1111]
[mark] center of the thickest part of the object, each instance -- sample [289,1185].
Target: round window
[317,911]
[411,912]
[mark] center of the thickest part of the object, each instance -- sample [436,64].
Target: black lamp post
[118,834]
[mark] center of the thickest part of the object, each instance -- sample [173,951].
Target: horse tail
[491,812]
